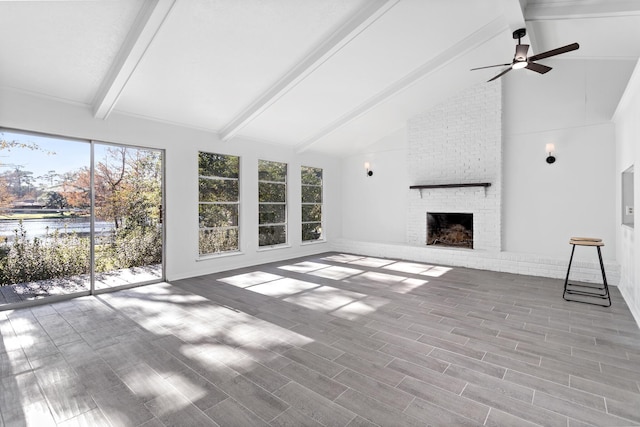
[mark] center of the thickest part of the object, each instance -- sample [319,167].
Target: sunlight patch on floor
[436,271]
[282,287]
[344,258]
[336,273]
[250,279]
[325,298]
[391,282]
[304,267]
[356,309]
[372,262]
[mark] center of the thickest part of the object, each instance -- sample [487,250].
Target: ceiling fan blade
[500,75]
[521,52]
[554,52]
[538,68]
[490,66]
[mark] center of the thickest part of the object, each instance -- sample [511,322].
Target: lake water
[38,227]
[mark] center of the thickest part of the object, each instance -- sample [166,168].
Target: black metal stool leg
[604,276]
[566,280]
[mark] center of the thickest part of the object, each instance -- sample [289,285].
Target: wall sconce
[550,148]
[367,167]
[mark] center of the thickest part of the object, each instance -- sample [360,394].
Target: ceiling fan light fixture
[519,65]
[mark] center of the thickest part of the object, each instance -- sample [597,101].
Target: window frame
[322,236]
[236,203]
[284,224]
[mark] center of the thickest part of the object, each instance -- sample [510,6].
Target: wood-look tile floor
[329,340]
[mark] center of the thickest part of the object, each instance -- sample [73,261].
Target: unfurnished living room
[319,213]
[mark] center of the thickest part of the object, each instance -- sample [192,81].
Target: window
[272,199]
[219,196]
[311,179]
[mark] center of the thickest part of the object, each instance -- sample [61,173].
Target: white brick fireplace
[458,142]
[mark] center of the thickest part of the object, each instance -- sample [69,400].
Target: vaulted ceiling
[322,75]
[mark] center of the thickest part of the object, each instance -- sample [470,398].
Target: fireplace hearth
[450,229]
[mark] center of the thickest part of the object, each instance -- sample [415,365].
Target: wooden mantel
[477,184]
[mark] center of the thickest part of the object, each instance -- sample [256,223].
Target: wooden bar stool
[592,291]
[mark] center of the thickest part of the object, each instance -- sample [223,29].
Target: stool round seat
[587,239]
[586,242]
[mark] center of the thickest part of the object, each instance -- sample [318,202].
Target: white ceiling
[321,75]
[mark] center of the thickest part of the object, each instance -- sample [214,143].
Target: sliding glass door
[58,238]
[127,215]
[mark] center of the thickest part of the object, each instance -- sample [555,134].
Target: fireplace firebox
[450,229]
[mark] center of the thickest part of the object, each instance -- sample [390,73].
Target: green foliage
[218,190]
[53,256]
[60,254]
[311,231]
[311,194]
[130,247]
[218,215]
[56,201]
[311,213]
[272,171]
[311,176]
[220,165]
[218,240]
[272,192]
[271,214]
[272,235]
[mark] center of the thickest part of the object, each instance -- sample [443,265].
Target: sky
[53,154]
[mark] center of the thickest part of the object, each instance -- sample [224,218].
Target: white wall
[628,154]
[22,111]
[542,205]
[373,207]
[547,204]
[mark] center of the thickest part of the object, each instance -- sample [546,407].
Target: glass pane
[210,164]
[217,190]
[44,217]
[311,231]
[311,213]
[311,176]
[272,214]
[268,192]
[220,240]
[272,235]
[311,194]
[272,171]
[218,215]
[128,201]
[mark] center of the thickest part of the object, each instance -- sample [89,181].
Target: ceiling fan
[520,59]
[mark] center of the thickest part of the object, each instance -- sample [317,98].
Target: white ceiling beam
[366,16]
[495,28]
[581,9]
[147,24]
